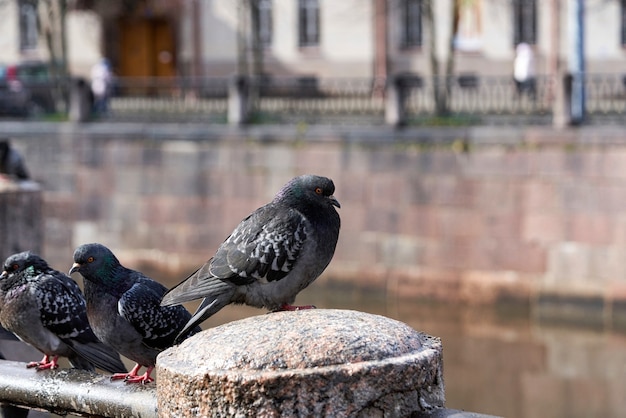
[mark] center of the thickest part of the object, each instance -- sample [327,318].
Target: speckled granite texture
[306,363]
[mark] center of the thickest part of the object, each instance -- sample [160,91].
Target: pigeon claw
[44,364]
[133,377]
[144,379]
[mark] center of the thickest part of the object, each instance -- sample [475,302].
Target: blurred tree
[253,33]
[442,83]
[45,20]
[52,18]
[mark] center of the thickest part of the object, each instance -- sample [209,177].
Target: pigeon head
[308,191]
[95,263]
[22,261]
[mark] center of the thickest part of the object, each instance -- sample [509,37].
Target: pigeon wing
[264,247]
[140,305]
[61,306]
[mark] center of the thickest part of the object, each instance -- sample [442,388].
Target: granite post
[80,100]
[237,100]
[21,217]
[306,363]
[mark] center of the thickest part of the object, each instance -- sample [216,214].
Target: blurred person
[101,80]
[11,161]
[524,70]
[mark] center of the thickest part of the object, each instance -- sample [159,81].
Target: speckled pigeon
[272,255]
[123,307]
[46,309]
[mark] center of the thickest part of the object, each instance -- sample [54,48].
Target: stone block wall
[510,213]
[21,221]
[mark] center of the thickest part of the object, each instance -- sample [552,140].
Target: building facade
[317,38]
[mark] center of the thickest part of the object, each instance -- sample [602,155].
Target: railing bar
[74,391]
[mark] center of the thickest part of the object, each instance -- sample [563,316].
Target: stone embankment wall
[473,214]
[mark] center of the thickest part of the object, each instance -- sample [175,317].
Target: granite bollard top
[297,340]
[312,362]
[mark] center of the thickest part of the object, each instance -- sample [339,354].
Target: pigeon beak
[3,274]
[334,201]
[74,268]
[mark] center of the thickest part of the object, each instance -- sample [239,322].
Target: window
[468,25]
[29,32]
[309,22]
[264,21]
[411,12]
[525,21]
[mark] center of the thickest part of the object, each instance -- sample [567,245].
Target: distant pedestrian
[101,81]
[11,161]
[524,70]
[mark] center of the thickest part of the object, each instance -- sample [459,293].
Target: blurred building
[317,38]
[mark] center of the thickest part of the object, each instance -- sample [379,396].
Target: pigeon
[46,309]
[274,253]
[123,307]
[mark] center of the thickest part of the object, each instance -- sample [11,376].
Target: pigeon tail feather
[79,362]
[100,356]
[198,285]
[208,307]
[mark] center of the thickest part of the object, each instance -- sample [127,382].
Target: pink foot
[145,378]
[133,377]
[288,307]
[45,363]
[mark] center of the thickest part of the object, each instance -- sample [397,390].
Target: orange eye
[15,266]
[319,190]
[90,260]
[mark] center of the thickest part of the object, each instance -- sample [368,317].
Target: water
[499,361]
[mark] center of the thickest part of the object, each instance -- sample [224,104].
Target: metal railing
[170,98]
[319,100]
[82,393]
[606,95]
[472,98]
[71,391]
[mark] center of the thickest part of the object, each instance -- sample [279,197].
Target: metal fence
[71,391]
[169,99]
[473,99]
[606,95]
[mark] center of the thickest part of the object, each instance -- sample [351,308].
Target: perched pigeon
[46,309]
[123,307]
[273,254]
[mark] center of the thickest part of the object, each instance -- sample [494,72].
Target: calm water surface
[499,361]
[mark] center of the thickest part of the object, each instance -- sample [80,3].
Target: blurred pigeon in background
[123,307]
[46,309]
[272,255]
[11,161]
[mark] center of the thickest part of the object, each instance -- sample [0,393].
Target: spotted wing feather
[61,306]
[263,247]
[140,306]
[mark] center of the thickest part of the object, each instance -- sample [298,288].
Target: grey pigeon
[46,309]
[11,161]
[123,307]
[272,255]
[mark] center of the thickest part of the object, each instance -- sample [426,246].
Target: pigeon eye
[318,190]
[15,266]
[90,260]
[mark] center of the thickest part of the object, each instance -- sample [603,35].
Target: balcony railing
[472,99]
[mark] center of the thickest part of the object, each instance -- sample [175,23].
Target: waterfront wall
[464,214]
